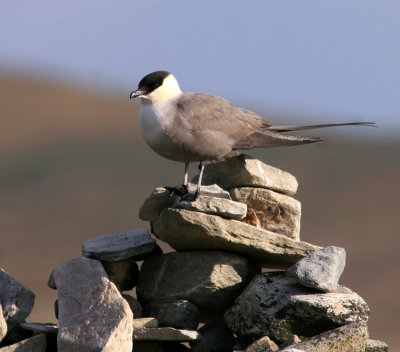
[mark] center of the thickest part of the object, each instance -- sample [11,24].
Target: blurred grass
[73,166]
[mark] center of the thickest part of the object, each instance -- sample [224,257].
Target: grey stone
[51,282]
[124,273]
[119,246]
[214,337]
[276,306]
[36,343]
[3,324]
[320,269]
[246,171]
[263,345]
[145,323]
[164,334]
[208,279]
[216,206]
[188,230]
[40,328]
[161,199]
[134,304]
[277,212]
[91,305]
[16,300]
[179,314]
[347,338]
[376,346]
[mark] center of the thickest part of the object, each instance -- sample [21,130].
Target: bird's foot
[180,191]
[190,197]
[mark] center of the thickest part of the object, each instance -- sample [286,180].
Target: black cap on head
[152,81]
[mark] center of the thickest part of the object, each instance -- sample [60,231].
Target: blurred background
[74,166]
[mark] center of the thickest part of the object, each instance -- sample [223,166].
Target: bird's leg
[182,190]
[201,168]
[185,178]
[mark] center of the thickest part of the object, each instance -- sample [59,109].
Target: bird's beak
[136,93]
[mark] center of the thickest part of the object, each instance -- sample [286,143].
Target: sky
[338,58]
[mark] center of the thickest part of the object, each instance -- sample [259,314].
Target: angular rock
[320,269]
[124,273]
[51,282]
[145,323]
[134,304]
[189,230]
[40,328]
[91,305]
[376,346]
[179,314]
[119,246]
[164,334]
[277,212]
[347,338]
[33,344]
[246,171]
[252,218]
[263,345]
[277,306]
[3,324]
[161,199]
[214,337]
[215,206]
[208,279]
[16,300]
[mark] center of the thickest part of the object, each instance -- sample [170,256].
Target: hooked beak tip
[135,94]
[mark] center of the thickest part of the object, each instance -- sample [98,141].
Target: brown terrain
[74,166]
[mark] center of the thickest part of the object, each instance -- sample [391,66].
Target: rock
[251,218]
[56,308]
[134,304]
[276,306]
[246,171]
[216,206]
[164,334]
[145,323]
[292,341]
[277,212]
[3,324]
[263,345]
[376,346]
[189,230]
[161,199]
[124,273]
[51,282]
[33,344]
[40,328]
[119,246]
[347,338]
[214,337]
[156,251]
[16,300]
[209,279]
[179,314]
[320,269]
[90,305]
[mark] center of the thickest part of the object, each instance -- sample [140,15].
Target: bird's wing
[208,112]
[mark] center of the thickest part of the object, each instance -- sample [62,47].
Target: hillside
[74,166]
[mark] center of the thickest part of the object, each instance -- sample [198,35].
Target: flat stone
[16,300]
[211,190]
[188,230]
[347,338]
[134,304]
[216,206]
[208,279]
[164,334]
[214,337]
[36,343]
[145,323]
[376,346]
[320,269]
[90,305]
[119,246]
[40,328]
[277,212]
[263,345]
[276,306]
[124,273]
[179,314]
[246,171]
[3,324]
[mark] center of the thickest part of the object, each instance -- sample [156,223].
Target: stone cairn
[239,280]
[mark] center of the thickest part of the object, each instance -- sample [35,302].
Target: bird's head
[156,87]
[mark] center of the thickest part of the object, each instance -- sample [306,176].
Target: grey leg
[185,178]
[201,167]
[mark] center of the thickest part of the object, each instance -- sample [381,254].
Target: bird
[200,127]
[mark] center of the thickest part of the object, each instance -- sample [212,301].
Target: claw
[180,191]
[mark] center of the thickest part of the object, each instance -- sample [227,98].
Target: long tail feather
[310,127]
